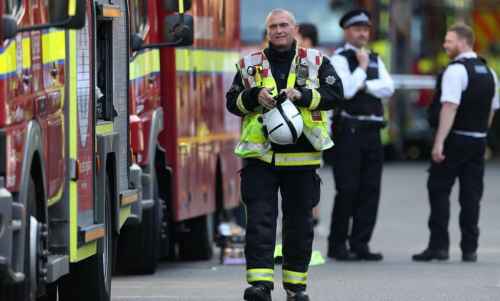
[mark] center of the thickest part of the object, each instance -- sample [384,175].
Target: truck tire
[197,242]
[22,291]
[139,244]
[90,279]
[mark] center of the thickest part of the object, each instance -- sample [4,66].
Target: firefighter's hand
[292,94]
[363,58]
[437,153]
[266,100]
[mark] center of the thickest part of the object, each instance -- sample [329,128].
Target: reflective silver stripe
[362,117]
[241,105]
[292,159]
[471,134]
[294,277]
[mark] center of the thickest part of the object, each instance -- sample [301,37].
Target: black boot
[429,254]
[296,296]
[469,257]
[342,254]
[257,293]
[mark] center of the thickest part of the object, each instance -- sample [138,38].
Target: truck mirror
[178,30]
[176,5]
[68,14]
[136,42]
[8,28]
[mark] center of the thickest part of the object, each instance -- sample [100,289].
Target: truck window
[139,9]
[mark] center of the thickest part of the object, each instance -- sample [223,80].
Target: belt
[470,134]
[373,118]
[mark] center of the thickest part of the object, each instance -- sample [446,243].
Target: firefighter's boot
[296,296]
[257,293]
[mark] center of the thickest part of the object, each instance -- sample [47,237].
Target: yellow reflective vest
[255,71]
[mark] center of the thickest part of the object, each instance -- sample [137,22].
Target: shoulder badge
[330,79]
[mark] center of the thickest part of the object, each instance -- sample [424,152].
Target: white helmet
[284,123]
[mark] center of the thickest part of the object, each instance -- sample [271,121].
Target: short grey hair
[281,11]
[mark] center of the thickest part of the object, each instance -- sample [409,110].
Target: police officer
[465,100]
[309,80]
[358,155]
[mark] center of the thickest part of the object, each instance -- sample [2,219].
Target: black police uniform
[464,158]
[357,159]
[299,185]
[357,165]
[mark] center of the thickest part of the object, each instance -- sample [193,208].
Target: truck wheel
[90,279]
[197,242]
[26,290]
[139,244]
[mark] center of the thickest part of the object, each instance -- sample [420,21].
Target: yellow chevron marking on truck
[145,63]
[201,60]
[8,62]
[53,47]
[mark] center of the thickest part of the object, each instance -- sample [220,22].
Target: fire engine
[68,176]
[181,135]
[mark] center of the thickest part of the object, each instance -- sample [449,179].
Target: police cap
[355,17]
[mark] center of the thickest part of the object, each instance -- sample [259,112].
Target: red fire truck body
[200,134]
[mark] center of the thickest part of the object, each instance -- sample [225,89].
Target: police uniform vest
[363,103]
[256,71]
[475,105]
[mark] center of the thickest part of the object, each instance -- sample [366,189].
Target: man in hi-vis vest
[309,81]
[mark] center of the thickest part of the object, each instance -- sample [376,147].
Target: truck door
[49,105]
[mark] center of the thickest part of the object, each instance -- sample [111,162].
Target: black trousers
[465,161]
[300,192]
[357,169]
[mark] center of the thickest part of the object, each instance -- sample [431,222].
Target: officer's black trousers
[300,190]
[357,169]
[465,161]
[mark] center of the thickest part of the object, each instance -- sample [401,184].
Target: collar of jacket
[275,55]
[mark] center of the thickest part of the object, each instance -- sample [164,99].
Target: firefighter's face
[358,35]
[452,44]
[281,30]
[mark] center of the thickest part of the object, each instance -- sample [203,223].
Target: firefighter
[358,155]
[310,82]
[465,101]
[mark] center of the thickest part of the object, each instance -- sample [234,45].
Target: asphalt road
[401,231]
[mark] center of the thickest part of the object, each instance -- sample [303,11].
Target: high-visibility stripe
[294,277]
[105,128]
[292,77]
[26,53]
[254,275]
[76,254]
[72,7]
[297,159]
[316,98]
[124,214]
[200,60]
[240,105]
[53,47]
[8,62]
[181,6]
[145,63]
